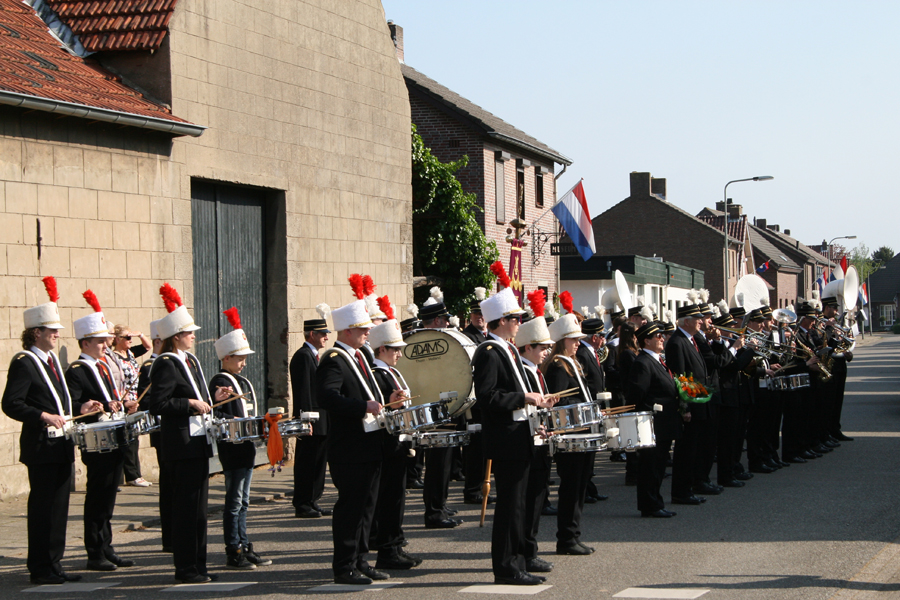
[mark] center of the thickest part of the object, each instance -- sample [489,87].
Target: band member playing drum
[651,387]
[501,391]
[563,372]
[89,378]
[36,395]
[179,394]
[387,341]
[238,459]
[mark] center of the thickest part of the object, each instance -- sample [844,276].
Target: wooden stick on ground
[485,491]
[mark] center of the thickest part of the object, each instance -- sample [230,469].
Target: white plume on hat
[704,295]
[790,307]
[739,298]
[480,293]
[647,313]
[413,310]
[599,311]
[670,316]
[716,312]
[323,310]
[436,296]
[654,307]
[639,301]
[454,321]
[585,311]
[371,304]
[551,312]
[693,296]
[723,307]
[529,312]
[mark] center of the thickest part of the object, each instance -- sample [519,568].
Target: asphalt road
[826,529]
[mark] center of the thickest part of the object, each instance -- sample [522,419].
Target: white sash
[40,366]
[520,414]
[370,422]
[197,424]
[96,373]
[237,390]
[577,375]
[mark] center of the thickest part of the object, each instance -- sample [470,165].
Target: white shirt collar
[44,356]
[528,363]
[88,359]
[311,347]
[686,334]
[589,347]
[651,353]
[382,364]
[497,337]
[180,354]
[349,349]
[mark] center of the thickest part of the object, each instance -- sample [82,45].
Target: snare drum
[143,422]
[104,436]
[294,428]
[441,439]
[239,430]
[630,431]
[436,361]
[572,416]
[798,381]
[578,442]
[418,418]
[778,384]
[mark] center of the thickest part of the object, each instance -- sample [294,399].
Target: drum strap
[40,367]
[237,390]
[353,365]
[399,382]
[495,342]
[97,377]
[199,424]
[577,376]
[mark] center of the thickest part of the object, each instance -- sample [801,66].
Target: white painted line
[673,594]
[375,586]
[525,590]
[209,587]
[72,587]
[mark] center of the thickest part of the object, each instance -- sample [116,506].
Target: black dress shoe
[822,449]
[761,469]
[590,500]
[119,561]
[658,514]
[67,577]
[194,578]
[573,548]
[601,497]
[352,578]
[707,489]
[839,436]
[549,511]
[372,573]
[479,499]
[809,455]
[772,464]
[781,462]
[538,565]
[744,476]
[831,443]
[443,524]
[690,500]
[395,563]
[100,564]
[521,578]
[734,483]
[451,512]
[585,546]
[51,579]
[797,460]
[307,513]
[326,512]
[415,484]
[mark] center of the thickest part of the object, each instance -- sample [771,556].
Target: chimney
[397,38]
[640,184]
[735,211]
[761,223]
[787,232]
[658,186]
[775,228]
[720,206]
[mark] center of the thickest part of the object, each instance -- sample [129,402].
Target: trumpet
[824,373]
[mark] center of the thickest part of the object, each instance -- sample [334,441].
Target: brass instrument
[602,353]
[824,372]
[845,340]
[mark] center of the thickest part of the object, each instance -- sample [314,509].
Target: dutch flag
[572,213]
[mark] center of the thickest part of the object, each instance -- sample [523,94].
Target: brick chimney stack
[397,38]
[640,184]
[658,186]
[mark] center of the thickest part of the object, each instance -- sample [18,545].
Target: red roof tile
[116,24]
[736,227]
[33,63]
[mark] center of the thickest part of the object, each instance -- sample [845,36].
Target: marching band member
[534,342]
[733,393]
[387,341]
[650,386]
[501,390]
[563,372]
[238,459]
[473,454]
[839,372]
[346,389]
[765,418]
[803,435]
[90,378]
[310,459]
[626,352]
[37,396]
[714,354]
[178,393]
[595,377]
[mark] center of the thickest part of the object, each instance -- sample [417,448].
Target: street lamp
[843,237]
[725,197]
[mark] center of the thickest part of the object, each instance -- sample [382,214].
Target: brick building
[808,260]
[510,172]
[240,150]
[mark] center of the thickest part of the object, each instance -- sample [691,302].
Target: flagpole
[544,214]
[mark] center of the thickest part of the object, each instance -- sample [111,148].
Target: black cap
[766,310]
[592,326]
[738,312]
[635,310]
[433,311]
[409,324]
[668,327]
[806,310]
[724,321]
[705,309]
[688,310]
[756,315]
[830,301]
[475,306]
[648,330]
[316,325]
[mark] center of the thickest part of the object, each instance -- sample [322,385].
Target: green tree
[448,243]
[859,258]
[883,254]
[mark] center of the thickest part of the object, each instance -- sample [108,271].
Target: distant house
[810,261]
[884,294]
[510,172]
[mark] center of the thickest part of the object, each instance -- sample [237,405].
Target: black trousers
[391,505]
[309,471]
[475,466]
[104,471]
[48,513]
[357,485]
[706,445]
[651,469]
[728,452]
[165,499]
[190,498]
[793,432]
[132,465]
[744,411]
[837,407]
[508,532]
[535,496]
[574,469]
[684,458]
[438,463]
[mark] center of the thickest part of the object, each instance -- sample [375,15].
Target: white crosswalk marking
[525,590]
[661,593]
[69,587]
[209,587]
[375,586]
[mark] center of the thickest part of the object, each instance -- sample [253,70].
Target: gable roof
[493,126]
[37,73]
[596,221]
[116,24]
[769,251]
[781,239]
[885,282]
[737,228]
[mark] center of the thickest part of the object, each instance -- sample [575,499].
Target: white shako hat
[179,319]
[154,330]
[47,314]
[567,326]
[388,333]
[373,307]
[355,314]
[93,325]
[503,303]
[535,331]
[233,343]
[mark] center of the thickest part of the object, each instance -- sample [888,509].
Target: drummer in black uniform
[473,454]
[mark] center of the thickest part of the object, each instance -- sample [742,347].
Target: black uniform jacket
[340,392]
[558,379]
[391,444]
[498,394]
[623,363]
[683,359]
[27,396]
[474,334]
[649,383]
[716,356]
[83,386]
[233,456]
[303,387]
[169,397]
[593,373]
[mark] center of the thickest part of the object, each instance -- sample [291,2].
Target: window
[500,191]
[538,187]
[887,315]
[520,189]
[639,291]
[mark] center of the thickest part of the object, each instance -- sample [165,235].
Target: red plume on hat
[233,317]
[368,285]
[565,300]
[384,303]
[92,300]
[170,297]
[356,284]
[500,272]
[537,300]
[50,286]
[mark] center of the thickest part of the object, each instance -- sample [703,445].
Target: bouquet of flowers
[692,391]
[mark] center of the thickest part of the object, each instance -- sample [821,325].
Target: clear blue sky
[697,92]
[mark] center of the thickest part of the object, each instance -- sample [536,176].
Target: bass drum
[435,361]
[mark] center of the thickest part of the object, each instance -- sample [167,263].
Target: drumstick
[567,431]
[401,401]
[485,491]
[96,412]
[560,394]
[144,393]
[233,398]
[617,410]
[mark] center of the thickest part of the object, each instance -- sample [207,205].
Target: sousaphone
[618,294]
[750,293]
